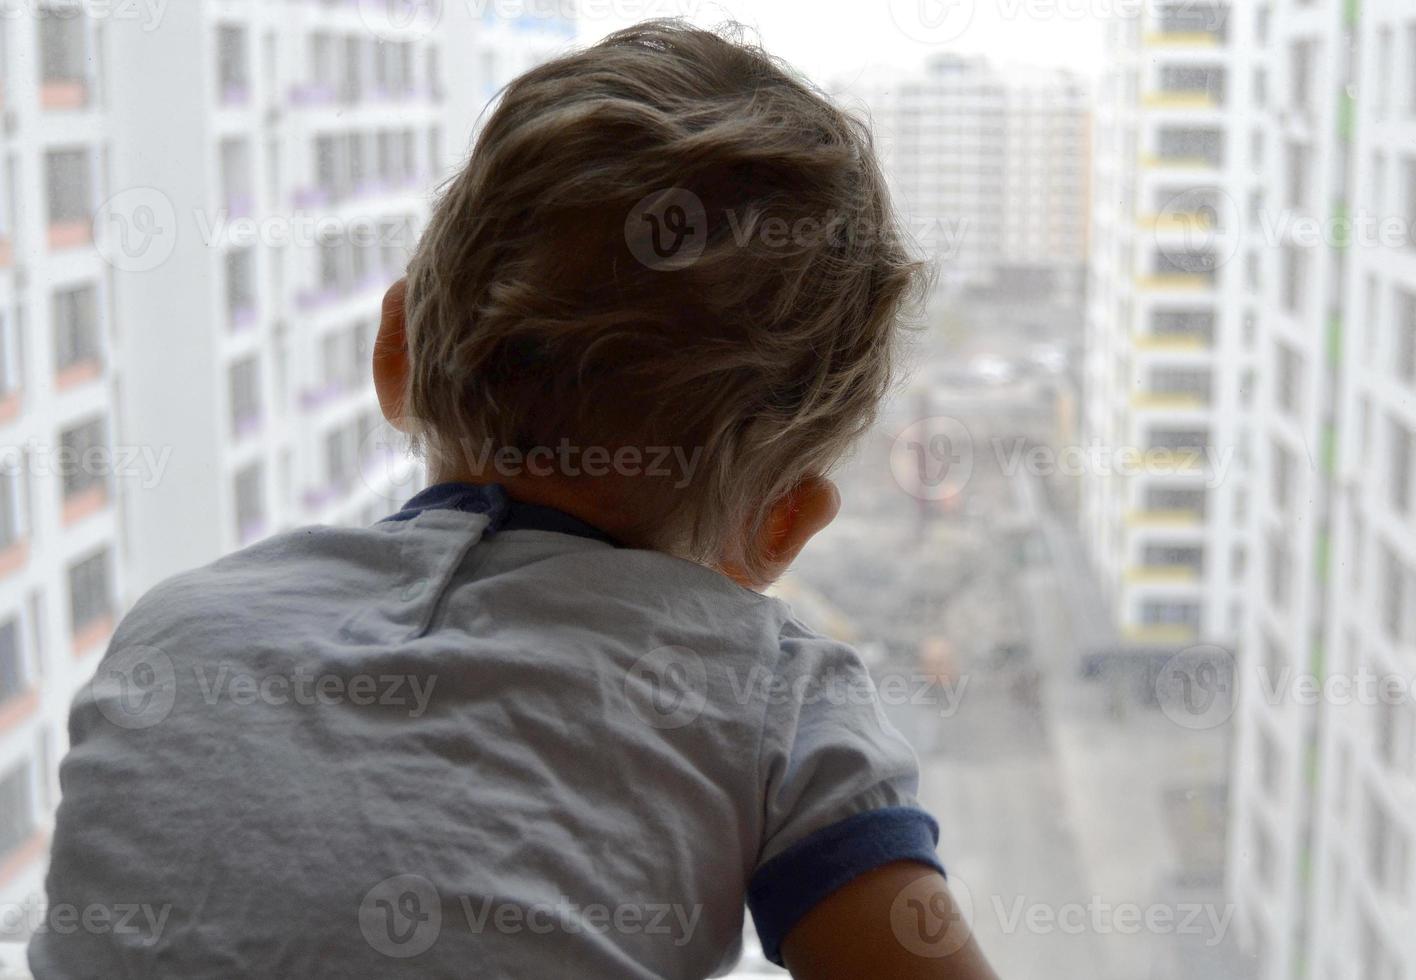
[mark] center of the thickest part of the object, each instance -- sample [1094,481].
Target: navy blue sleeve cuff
[790,885]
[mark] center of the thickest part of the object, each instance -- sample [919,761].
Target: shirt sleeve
[839,784]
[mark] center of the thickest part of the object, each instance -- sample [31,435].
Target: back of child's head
[668,239]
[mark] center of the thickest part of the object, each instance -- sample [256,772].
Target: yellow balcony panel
[1170,343]
[1182,39]
[1170,403]
[1192,101]
[1164,518]
[1159,635]
[1173,461]
[1161,575]
[1153,162]
[1176,283]
[1181,222]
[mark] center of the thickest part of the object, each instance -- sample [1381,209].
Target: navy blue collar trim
[505,514]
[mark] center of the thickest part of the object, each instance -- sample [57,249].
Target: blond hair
[536,314]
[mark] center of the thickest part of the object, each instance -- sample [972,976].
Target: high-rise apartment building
[1323,821]
[1169,361]
[200,209]
[990,168]
[1254,294]
[61,555]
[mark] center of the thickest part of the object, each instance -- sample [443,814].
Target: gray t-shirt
[446,746]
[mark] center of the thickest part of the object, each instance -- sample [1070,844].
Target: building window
[1395,736]
[63,60]
[1184,145]
[84,466]
[241,287]
[1283,471]
[233,80]
[236,177]
[1388,850]
[1409,194]
[1288,374]
[250,502]
[1300,75]
[1280,568]
[11,525]
[244,380]
[1398,603]
[1191,500]
[1295,279]
[12,667]
[1298,176]
[69,186]
[16,809]
[1401,463]
[1180,440]
[76,335]
[340,457]
[1162,612]
[1404,362]
[1193,383]
[1270,765]
[1188,557]
[90,592]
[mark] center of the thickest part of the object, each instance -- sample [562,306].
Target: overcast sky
[836,39]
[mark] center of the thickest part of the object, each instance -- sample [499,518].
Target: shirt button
[414,589]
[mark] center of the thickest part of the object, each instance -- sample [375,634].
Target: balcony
[1164,635]
[1165,518]
[78,373]
[1162,575]
[1175,460]
[1185,101]
[64,94]
[92,635]
[32,850]
[1177,343]
[13,557]
[1157,161]
[64,235]
[1161,401]
[17,709]
[84,503]
[1176,282]
[1179,222]
[11,404]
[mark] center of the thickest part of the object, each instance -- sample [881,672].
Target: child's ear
[391,356]
[793,521]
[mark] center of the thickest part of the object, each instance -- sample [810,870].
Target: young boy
[541,722]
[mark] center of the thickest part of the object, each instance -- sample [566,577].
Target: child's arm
[898,921]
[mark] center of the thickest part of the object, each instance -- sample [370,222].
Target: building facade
[188,300]
[1322,819]
[1254,295]
[61,542]
[1169,357]
[990,167]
